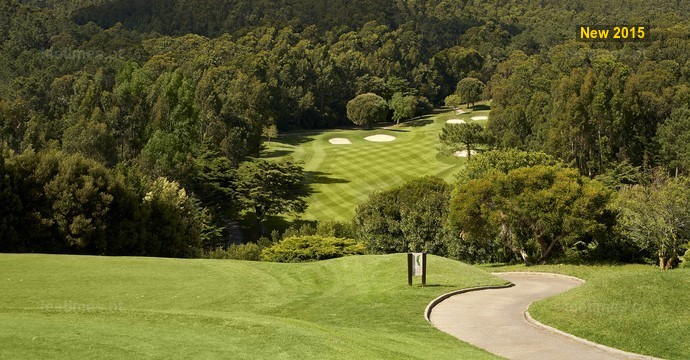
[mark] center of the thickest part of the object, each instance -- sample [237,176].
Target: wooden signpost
[416,266]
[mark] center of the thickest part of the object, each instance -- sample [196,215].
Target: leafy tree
[179,220]
[502,161]
[270,132]
[533,211]
[403,106]
[80,201]
[674,137]
[456,137]
[657,216]
[470,90]
[367,109]
[453,100]
[271,188]
[406,218]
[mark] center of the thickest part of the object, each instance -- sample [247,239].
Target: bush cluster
[311,248]
[65,203]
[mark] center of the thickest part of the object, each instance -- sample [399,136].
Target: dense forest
[131,127]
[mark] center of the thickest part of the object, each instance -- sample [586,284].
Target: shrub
[310,248]
[248,251]
[686,257]
[328,228]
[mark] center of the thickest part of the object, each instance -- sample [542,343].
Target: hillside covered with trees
[134,128]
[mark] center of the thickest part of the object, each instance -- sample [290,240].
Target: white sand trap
[463,153]
[380,138]
[340,141]
[455,121]
[460,111]
[475,118]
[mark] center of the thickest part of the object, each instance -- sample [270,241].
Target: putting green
[341,177]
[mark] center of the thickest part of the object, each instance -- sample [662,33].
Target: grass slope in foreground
[343,176]
[74,307]
[635,308]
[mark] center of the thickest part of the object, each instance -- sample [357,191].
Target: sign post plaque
[416,266]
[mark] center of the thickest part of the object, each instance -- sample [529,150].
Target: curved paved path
[494,319]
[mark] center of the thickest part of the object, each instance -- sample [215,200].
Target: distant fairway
[342,176]
[360,307]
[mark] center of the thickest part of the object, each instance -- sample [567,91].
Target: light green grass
[76,307]
[343,176]
[635,308]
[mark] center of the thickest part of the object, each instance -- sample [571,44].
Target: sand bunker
[475,118]
[463,153]
[380,138]
[340,141]
[459,111]
[455,121]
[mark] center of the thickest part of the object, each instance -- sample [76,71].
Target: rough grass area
[636,308]
[358,307]
[343,176]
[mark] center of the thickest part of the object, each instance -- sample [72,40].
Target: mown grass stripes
[355,171]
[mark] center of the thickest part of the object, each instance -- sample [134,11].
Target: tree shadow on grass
[481,107]
[418,123]
[275,153]
[297,138]
[318,177]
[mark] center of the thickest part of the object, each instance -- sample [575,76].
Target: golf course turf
[342,176]
[71,307]
[636,308]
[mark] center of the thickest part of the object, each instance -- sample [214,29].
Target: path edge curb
[627,354]
[438,300]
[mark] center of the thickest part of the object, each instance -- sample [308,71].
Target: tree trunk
[506,235]
[525,257]
[545,249]
[667,264]
[469,152]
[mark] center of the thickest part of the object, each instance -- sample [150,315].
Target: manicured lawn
[78,307]
[343,176]
[633,307]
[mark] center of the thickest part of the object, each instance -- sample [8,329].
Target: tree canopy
[657,216]
[456,137]
[367,109]
[272,188]
[533,211]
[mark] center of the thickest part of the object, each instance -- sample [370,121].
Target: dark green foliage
[502,161]
[328,228]
[272,188]
[657,216]
[367,109]
[11,211]
[311,248]
[674,137]
[249,252]
[535,212]
[67,203]
[406,218]
[470,90]
[621,175]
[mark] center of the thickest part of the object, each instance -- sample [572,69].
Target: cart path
[494,320]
